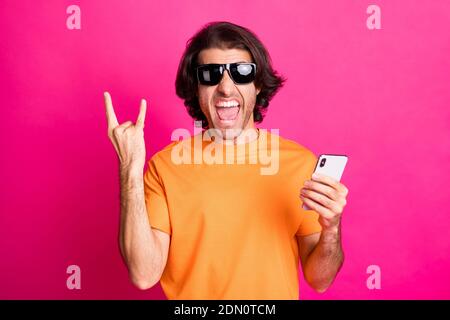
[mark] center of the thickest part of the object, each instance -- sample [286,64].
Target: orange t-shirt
[233,229]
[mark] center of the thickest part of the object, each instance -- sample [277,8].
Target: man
[225,231]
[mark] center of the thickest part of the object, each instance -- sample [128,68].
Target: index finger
[110,114]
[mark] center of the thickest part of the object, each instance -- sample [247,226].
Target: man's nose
[226,85]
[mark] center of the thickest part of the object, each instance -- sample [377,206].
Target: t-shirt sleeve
[155,199]
[310,223]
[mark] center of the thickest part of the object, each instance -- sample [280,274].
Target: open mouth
[228,111]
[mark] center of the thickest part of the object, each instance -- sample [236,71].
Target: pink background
[379,96]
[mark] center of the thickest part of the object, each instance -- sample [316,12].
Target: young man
[224,229]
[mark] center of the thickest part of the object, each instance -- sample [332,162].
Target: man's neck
[247,135]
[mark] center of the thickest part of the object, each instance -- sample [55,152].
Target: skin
[321,254]
[145,249]
[227,89]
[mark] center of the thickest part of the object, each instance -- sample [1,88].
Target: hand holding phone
[331,165]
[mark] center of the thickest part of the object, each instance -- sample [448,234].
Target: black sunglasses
[211,74]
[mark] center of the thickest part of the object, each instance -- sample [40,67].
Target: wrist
[131,177]
[331,234]
[131,170]
[331,230]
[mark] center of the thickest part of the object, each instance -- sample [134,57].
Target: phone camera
[322,162]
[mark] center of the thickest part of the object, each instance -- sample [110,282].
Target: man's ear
[258,90]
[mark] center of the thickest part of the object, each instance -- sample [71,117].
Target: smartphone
[331,165]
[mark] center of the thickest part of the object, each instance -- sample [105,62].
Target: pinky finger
[141,117]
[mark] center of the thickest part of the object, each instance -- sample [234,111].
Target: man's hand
[127,138]
[321,264]
[144,249]
[327,197]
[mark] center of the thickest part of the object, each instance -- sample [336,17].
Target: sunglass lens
[243,72]
[210,74]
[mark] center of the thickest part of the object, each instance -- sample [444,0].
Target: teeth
[228,104]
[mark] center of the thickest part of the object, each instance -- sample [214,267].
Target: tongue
[227,113]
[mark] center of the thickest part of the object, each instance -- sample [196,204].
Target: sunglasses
[240,73]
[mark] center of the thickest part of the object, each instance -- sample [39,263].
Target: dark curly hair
[226,35]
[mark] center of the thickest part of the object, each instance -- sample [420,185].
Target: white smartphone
[331,165]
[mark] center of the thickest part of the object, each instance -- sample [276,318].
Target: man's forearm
[138,244]
[325,261]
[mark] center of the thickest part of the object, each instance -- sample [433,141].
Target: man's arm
[321,257]
[144,249]
[321,253]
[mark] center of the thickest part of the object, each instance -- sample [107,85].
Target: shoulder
[294,148]
[164,156]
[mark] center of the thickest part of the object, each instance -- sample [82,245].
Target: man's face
[215,100]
